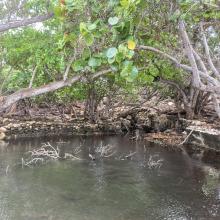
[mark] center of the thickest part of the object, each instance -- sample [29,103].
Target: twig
[65,75]
[154,163]
[200,139]
[32,78]
[186,139]
[110,154]
[130,155]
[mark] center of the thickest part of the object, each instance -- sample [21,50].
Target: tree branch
[185,99]
[189,52]
[25,22]
[65,76]
[32,78]
[31,92]
[207,51]
[185,67]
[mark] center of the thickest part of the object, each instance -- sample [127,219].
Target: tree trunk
[91,105]
[7,101]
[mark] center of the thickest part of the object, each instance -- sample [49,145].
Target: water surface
[113,188]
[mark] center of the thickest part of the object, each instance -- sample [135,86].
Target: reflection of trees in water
[207,181]
[181,185]
[205,177]
[212,181]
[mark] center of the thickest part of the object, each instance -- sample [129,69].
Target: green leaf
[58,11]
[114,68]
[113,20]
[83,28]
[94,62]
[125,3]
[134,72]
[111,52]
[124,73]
[111,60]
[119,57]
[78,65]
[122,49]
[92,27]
[128,64]
[129,79]
[89,39]
[129,72]
[130,54]
[86,53]
[149,79]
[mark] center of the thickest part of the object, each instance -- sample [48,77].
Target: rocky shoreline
[141,121]
[32,128]
[198,138]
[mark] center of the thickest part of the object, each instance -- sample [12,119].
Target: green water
[114,188]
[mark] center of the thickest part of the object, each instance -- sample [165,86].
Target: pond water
[113,188]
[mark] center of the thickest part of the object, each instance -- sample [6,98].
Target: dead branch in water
[103,151]
[199,140]
[129,156]
[153,163]
[47,153]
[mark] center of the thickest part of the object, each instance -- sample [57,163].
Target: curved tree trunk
[7,101]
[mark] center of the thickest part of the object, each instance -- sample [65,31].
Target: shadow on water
[105,189]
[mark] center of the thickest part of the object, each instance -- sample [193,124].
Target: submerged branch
[47,153]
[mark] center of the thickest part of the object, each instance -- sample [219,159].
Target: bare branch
[185,99]
[31,92]
[186,139]
[100,73]
[201,63]
[65,76]
[25,22]
[32,78]
[207,51]
[187,68]
[189,52]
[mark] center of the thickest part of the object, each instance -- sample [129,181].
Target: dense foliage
[86,37]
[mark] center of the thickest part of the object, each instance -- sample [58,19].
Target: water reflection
[106,189]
